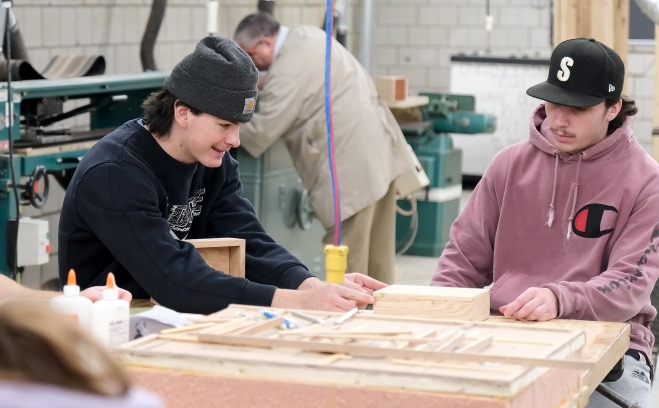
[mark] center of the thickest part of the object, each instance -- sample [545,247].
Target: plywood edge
[216,242]
[253,365]
[434,291]
[411,101]
[239,391]
[609,358]
[69,147]
[237,259]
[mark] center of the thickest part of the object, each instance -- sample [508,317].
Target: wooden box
[367,360]
[224,254]
[391,88]
[433,301]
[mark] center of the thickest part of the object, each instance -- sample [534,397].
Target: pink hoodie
[585,226]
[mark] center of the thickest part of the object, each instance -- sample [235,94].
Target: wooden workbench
[188,379]
[606,343]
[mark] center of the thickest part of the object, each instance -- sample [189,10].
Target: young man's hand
[359,281]
[96,293]
[537,304]
[315,294]
[362,283]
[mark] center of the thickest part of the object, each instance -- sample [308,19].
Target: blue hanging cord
[330,125]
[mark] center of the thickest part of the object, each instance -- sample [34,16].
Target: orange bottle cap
[71,279]
[110,281]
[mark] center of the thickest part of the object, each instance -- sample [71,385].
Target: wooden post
[605,20]
[565,20]
[621,29]
[601,25]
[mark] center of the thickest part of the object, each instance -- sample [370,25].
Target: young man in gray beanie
[157,180]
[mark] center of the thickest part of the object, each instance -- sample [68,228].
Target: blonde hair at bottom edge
[38,345]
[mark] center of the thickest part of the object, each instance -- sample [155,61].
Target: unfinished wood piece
[223,254]
[605,20]
[226,255]
[464,343]
[411,101]
[391,88]
[433,301]
[37,151]
[606,343]
[181,388]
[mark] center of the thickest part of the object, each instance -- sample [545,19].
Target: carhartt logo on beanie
[582,72]
[218,78]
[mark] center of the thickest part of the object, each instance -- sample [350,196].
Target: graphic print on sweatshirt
[626,281]
[180,216]
[594,220]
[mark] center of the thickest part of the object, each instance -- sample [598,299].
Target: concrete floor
[418,270]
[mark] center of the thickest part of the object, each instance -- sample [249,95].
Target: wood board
[433,301]
[606,343]
[449,362]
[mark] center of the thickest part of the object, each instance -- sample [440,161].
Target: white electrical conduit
[650,8]
[365,35]
[212,8]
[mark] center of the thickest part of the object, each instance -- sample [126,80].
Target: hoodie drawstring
[550,213]
[575,187]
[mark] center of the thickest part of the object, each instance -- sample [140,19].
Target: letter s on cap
[563,74]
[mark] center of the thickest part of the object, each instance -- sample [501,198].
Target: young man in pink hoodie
[566,224]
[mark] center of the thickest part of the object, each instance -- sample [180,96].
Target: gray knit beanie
[218,78]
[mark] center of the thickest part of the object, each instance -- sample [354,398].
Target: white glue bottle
[72,305]
[110,316]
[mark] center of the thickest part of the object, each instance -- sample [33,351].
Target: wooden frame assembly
[447,362]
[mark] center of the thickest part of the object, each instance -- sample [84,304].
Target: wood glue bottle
[71,304]
[110,316]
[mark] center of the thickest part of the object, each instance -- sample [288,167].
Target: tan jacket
[370,150]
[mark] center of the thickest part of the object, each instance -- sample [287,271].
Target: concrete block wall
[414,38]
[417,38]
[640,87]
[112,28]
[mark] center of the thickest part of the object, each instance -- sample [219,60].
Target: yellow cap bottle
[336,263]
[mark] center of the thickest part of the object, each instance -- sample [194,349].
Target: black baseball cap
[583,72]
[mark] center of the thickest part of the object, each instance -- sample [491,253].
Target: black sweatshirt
[127,208]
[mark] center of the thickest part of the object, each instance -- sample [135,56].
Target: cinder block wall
[414,38]
[417,38]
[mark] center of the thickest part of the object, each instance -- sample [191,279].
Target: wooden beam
[621,29]
[584,19]
[369,351]
[605,20]
[566,14]
[600,22]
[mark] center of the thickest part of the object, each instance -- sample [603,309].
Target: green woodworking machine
[55,122]
[424,220]
[45,131]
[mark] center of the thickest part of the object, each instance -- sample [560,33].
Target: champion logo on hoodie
[594,220]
